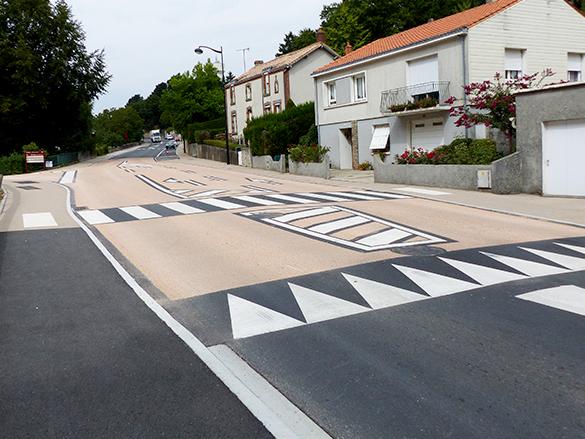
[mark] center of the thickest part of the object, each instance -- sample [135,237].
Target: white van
[155,136]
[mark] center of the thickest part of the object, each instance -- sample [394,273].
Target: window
[267,108]
[360,87]
[232,96]
[423,70]
[277,107]
[248,92]
[266,84]
[514,63]
[249,114]
[276,86]
[381,138]
[234,123]
[574,67]
[332,93]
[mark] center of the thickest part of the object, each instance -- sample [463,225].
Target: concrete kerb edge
[293,424]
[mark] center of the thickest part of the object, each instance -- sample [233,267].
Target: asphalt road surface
[376,313]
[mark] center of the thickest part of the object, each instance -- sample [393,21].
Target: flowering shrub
[458,152]
[417,156]
[308,153]
[493,104]
[415,105]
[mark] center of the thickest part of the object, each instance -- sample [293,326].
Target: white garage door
[563,146]
[426,133]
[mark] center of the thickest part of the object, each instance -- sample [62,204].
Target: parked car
[169,136]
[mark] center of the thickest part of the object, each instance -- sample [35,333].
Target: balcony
[419,98]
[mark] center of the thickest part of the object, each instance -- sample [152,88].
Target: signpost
[34,157]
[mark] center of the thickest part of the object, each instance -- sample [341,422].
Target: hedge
[458,152]
[12,164]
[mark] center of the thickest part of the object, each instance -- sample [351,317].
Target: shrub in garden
[308,153]
[12,164]
[365,166]
[458,152]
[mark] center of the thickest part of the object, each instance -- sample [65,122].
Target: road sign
[34,157]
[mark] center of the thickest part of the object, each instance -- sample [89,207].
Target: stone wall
[209,152]
[320,170]
[507,174]
[266,162]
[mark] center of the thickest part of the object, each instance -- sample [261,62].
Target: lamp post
[199,51]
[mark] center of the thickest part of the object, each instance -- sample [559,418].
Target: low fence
[267,162]
[62,159]
[209,152]
[320,170]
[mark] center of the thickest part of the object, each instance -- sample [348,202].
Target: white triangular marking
[529,268]
[249,319]
[566,297]
[572,247]
[570,262]
[380,295]
[481,274]
[318,307]
[435,284]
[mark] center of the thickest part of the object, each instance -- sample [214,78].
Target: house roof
[281,62]
[428,31]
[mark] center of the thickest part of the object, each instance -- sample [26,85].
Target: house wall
[302,88]
[546,29]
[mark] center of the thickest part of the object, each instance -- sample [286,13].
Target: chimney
[321,36]
[348,48]
[258,62]
[431,20]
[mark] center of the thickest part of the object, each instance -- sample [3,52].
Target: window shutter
[380,137]
[423,70]
[575,61]
[514,59]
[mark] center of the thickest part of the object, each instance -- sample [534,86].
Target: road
[376,313]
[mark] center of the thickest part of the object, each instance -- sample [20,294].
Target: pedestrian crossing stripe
[249,319]
[386,235]
[202,205]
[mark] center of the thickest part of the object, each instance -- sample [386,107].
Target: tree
[48,80]
[292,41]
[117,126]
[152,110]
[194,96]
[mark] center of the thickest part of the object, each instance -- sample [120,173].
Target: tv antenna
[243,55]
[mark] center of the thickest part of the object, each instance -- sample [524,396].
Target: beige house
[268,86]
[362,98]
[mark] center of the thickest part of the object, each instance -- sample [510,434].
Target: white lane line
[42,219]
[344,223]
[304,214]
[566,298]
[280,423]
[322,197]
[379,295]
[384,238]
[94,217]
[182,208]
[159,187]
[384,195]
[210,193]
[139,212]
[352,195]
[416,190]
[68,177]
[289,198]
[221,203]
[256,200]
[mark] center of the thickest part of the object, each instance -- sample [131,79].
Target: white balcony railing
[415,97]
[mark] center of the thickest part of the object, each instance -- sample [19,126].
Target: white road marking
[318,307]
[384,195]
[42,219]
[529,268]
[566,298]
[575,248]
[278,423]
[344,223]
[94,217]
[304,214]
[221,203]
[195,183]
[260,201]
[481,274]
[159,187]
[416,190]
[356,196]
[210,193]
[182,208]
[250,319]
[140,212]
[384,238]
[289,198]
[322,197]
[435,284]
[570,262]
[380,295]
[68,177]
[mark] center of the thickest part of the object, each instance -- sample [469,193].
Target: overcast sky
[147,41]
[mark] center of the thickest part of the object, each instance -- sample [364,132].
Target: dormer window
[248,92]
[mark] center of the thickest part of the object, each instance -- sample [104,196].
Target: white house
[268,86]
[390,94]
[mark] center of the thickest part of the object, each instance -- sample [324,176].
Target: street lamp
[199,51]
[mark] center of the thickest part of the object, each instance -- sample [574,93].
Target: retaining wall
[320,170]
[266,162]
[209,152]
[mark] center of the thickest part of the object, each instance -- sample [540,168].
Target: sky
[148,41]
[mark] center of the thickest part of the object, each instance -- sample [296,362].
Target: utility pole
[243,55]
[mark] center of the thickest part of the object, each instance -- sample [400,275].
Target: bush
[365,166]
[30,147]
[101,149]
[12,164]
[458,152]
[308,153]
[220,143]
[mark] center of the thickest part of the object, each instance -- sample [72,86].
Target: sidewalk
[562,210]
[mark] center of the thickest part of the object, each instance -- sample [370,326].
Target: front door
[345,155]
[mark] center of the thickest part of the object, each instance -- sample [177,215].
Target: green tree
[47,77]
[152,111]
[305,37]
[194,96]
[117,126]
